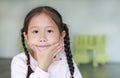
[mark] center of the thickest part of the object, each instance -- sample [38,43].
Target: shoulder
[19,59]
[20,56]
[18,65]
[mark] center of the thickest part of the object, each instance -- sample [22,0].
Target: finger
[62,45]
[35,48]
[53,48]
[57,51]
[57,59]
[55,45]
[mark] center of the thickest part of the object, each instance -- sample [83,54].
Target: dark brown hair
[56,17]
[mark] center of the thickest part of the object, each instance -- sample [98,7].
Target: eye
[35,31]
[49,31]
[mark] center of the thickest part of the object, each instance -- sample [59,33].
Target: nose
[42,38]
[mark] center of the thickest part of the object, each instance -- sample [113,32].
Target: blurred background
[83,17]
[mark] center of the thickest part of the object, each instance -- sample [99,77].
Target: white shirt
[58,69]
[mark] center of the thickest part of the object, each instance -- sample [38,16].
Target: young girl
[44,32]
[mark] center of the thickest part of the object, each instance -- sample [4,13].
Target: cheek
[32,40]
[53,38]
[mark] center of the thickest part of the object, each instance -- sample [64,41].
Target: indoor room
[94,28]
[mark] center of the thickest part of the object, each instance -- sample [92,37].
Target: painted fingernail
[62,46]
[60,58]
[33,46]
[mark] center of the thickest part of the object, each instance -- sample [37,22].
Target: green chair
[90,48]
[100,56]
[80,52]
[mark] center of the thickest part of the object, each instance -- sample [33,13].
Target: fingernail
[59,43]
[60,58]
[33,46]
[62,46]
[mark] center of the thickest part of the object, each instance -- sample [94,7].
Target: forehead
[42,20]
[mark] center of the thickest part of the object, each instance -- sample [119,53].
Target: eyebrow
[50,27]
[33,27]
[45,27]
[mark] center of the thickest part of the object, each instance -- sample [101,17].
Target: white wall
[82,16]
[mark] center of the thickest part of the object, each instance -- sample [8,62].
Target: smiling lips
[43,46]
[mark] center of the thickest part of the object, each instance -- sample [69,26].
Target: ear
[25,36]
[63,34]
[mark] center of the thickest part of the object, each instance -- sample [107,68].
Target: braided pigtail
[68,51]
[27,54]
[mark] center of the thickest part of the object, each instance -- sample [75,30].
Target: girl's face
[43,32]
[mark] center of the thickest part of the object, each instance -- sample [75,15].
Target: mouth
[43,46]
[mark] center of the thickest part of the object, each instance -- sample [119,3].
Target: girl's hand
[46,56]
